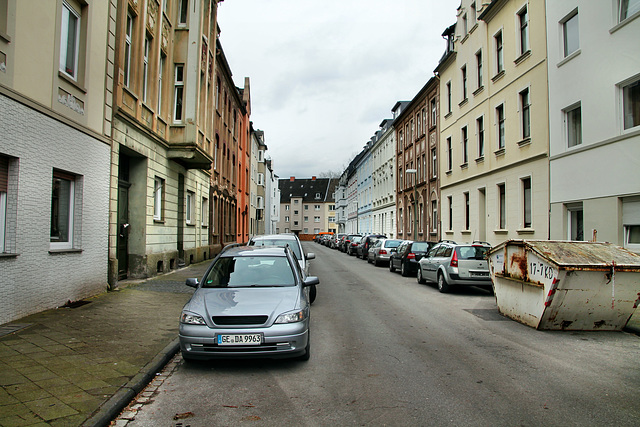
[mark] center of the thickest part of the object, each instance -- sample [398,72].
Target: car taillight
[454,259]
[411,256]
[383,252]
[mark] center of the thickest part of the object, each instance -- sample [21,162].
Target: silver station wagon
[250,303]
[450,264]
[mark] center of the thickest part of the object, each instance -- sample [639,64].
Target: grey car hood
[264,301]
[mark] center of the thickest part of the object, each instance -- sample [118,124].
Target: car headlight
[192,319]
[292,317]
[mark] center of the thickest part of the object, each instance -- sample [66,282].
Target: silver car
[251,303]
[450,264]
[380,252]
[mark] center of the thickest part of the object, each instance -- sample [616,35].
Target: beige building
[163,134]
[305,205]
[55,106]
[494,138]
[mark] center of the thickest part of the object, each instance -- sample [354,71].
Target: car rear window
[472,252]
[420,246]
[250,271]
[392,243]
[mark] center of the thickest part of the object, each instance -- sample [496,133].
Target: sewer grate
[488,314]
[11,328]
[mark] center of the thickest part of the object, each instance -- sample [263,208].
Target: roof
[307,189]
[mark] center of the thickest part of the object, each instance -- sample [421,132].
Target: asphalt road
[389,351]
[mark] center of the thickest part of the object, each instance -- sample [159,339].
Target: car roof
[255,251]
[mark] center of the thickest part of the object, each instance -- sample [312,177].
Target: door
[122,248]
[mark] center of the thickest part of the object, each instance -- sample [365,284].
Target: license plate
[240,339]
[479,274]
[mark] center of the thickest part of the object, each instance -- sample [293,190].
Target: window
[465,151]
[260,179]
[525,114]
[69,41]
[163,59]
[4,188]
[464,82]
[434,116]
[465,28]
[573,124]
[316,219]
[570,34]
[286,219]
[434,162]
[479,69]
[158,199]
[627,8]
[448,97]
[631,104]
[306,219]
[179,90]
[183,9]
[526,202]
[575,222]
[189,206]
[449,155]
[499,53]
[466,211]
[145,69]
[480,130]
[63,209]
[434,216]
[450,200]
[287,207]
[523,19]
[204,208]
[127,50]
[500,120]
[316,207]
[502,207]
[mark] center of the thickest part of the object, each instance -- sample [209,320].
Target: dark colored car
[407,256]
[347,241]
[352,248]
[366,243]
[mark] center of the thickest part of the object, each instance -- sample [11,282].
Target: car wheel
[312,294]
[443,286]
[403,270]
[419,276]
[368,260]
[391,267]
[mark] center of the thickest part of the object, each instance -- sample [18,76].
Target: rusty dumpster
[561,285]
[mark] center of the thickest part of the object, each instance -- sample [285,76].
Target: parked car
[352,247]
[381,251]
[407,256]
[294,243]
[347,240]
[366,243]
[251,302]
[335,240]
[450,264]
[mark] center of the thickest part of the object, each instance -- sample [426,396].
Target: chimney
[313,178]
[293,178]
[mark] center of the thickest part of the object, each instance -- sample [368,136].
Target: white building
[594,120]
[383,180]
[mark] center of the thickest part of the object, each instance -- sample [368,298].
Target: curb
[112,407]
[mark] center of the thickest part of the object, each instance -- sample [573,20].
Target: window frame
[189,207]
[502,206]
[128,46]
[569,119]
[565,32]
[158,198]
[527,202]
[499,51]
[480,136]
[145,68]
[465,145]
[479,70]
[178,101]
[71,219]
[501,127]
[629,14]
[523,30]
[634,115]
[525,113]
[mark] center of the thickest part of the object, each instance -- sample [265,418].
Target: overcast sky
[325,73]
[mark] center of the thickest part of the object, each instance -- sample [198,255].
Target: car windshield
[250,271]
[472,252]
[278,243]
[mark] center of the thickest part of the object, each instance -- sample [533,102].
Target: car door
[429,270]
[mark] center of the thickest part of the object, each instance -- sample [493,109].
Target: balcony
[189,155]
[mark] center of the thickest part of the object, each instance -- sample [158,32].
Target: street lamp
[415,202]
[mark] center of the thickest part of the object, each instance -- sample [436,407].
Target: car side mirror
[311,255]
[310,281]
[192,282]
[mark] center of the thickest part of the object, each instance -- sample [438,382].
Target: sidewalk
[81,366]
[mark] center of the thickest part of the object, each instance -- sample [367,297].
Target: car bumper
[200,342]
[455,279]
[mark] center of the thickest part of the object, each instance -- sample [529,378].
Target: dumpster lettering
[540,269]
